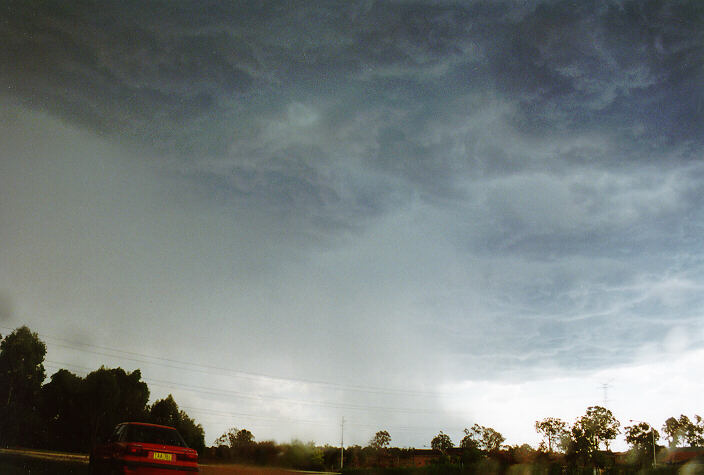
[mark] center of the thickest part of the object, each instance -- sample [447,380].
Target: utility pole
[342,443]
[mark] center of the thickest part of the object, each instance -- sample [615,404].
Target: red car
[140,449]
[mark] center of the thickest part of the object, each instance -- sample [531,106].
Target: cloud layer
[387,193]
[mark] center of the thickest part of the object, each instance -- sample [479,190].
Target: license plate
[160,456]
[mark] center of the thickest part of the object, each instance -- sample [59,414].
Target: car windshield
[154,435]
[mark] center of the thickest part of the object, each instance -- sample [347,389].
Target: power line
[201,368]
[260,397]
[265,422]
[220,413]
[399,428]
[257,377]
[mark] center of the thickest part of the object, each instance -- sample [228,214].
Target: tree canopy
[21,377]
[684,430]
[554,431]
[482,438]
[70,412]
[381,440]
[641,435]
[63,407]
[441,442]
[111,396]
[600,424]
[166,412]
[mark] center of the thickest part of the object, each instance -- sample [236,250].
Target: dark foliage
[72,413]
[21,376]
[166,412]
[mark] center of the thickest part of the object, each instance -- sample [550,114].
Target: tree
[642,438]
[379,443]
[671,428]
[224,439]
[588,432]
[21,376]
[582,445]
[471,437]
[381,440]
[235,438]
[694,432]
[242,444]
[482,438]
[441,443]
[470,446]
[63,411]
[553,430]
[491,439]
[600,424]
[243,438]
[683,429]
[111,396]
[78,412]
[522,453]
[166,412]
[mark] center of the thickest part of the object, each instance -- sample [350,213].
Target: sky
[415,216]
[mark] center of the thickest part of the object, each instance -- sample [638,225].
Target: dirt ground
[26,461]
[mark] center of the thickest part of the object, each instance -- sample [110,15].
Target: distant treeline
[70,412]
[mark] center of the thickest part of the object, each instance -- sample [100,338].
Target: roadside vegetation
[71,413]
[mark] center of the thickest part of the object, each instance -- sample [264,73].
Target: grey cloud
[99,67]
[595,212]
[578,300]
[524,131]
[608,66]
[584,57]
[6,307]
[187,78]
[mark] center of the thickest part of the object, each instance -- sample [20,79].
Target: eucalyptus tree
[554,431]
[441,443]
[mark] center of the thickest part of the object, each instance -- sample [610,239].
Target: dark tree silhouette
[441,442]
[166,412]
[482,438]
[112,396]
[21,376]
[63,409]
[381,440]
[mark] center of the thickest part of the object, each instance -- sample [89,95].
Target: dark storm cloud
[114,68]
[560,138]
[633,67]
[187,77]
